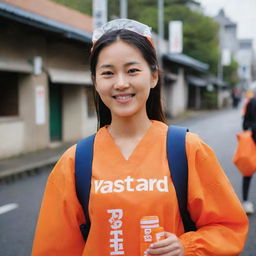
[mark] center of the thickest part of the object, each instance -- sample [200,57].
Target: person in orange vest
[249,122]
[130,172]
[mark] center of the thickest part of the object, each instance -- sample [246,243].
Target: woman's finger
[163,250]
[170,238]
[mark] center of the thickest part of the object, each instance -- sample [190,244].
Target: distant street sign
[100,13]
[40,104]
[175,37]
[226,57]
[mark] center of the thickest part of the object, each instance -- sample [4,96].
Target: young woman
[130,172]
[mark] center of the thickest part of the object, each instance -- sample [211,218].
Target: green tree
[84,6]
[200,33]
[230,74]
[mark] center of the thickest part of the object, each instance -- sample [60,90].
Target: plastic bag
[245,155]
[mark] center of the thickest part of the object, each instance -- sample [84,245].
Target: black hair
[153,104]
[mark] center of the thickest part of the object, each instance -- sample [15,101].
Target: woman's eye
[133,70]
[107,73]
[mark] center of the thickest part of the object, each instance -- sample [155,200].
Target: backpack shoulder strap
[177,159]
[83,174]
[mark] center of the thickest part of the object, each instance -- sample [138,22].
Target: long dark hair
[154,104]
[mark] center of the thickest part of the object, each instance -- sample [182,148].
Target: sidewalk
[33,161]
[30,161]
[191,115]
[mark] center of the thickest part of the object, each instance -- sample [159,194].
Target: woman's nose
[121,82]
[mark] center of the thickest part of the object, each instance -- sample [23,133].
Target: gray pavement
[30,162]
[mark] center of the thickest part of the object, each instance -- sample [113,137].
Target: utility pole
[100,13]
[161,18]
[220,67]
[220,60]
[123,9]
[160,29]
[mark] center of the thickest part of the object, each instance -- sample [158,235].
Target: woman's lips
[123,98]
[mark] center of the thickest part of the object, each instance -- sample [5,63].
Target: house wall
[26,132]
[177,95]
[11,137]
[76,123]
[36,135]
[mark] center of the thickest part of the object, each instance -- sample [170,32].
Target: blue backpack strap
[177,159]
[83,174]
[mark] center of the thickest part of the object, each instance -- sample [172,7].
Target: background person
[236,97]
[249,122]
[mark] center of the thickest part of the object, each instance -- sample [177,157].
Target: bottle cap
[149,222]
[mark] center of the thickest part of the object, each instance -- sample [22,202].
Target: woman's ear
[154,78]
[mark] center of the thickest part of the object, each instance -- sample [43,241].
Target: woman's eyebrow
[131,63]
[106,66]
[125,65]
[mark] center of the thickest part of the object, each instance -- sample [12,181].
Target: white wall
[75,121]
[224,98]
[178,95]
[35,136]
[11,137]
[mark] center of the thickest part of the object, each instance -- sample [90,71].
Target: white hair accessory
[117,24]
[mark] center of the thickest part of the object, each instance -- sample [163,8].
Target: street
[217,129]
[17,226]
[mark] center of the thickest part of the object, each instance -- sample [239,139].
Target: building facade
[45,85]
[246,58]
[241,50]
[46,95]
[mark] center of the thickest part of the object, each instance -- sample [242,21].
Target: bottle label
[150,232]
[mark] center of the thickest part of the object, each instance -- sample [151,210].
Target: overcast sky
[242,12]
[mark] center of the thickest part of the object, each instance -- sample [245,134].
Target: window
[9,94]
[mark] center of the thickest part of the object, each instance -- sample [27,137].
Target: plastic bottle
[150,232]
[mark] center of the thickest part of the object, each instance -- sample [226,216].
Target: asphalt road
[17,226]
[218,129]
[24,194]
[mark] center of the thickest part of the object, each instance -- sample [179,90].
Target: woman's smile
[123,98]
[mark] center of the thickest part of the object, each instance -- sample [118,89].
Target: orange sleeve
[213,205]
[57,231]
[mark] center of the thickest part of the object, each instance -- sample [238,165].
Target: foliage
[230,74]
[84,6]
[200,32]
[209,99]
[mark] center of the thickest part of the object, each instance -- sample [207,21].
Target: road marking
[7,208]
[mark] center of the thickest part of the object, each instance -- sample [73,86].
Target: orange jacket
[125,190]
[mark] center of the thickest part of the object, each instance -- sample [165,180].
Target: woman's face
[124,79]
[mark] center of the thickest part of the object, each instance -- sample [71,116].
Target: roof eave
[197,65]
[35,20]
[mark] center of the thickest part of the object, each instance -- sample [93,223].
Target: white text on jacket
[116,234]
[130,184]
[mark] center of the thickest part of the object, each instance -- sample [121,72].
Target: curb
[27,168]
[32,162]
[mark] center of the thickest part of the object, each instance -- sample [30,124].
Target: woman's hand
[170,246]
